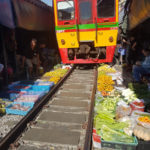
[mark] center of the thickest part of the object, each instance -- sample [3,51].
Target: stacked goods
[105,82]
[106,68]
[22,93]
[105,121]
[56,75]
[113,121]
[19,108]
[119,112]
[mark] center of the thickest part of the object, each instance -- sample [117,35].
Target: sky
[48,2]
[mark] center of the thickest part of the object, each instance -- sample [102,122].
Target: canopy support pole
[4,56]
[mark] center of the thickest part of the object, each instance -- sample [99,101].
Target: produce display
[29,92]
[104,81]
[119,111]
[144,119]
[56,75]
[142,133]
[20,107]
[106,68]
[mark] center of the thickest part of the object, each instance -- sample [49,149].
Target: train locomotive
[86,30]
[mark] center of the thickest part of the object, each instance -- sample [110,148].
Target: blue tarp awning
[26,14]
[6,14]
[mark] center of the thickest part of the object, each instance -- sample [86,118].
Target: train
[86,30]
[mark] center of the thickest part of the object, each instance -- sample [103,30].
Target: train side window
[105,8]
[66,10]
[85,10]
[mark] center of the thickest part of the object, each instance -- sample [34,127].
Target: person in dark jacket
[32,57]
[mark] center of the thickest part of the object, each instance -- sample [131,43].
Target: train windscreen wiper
[99,2]
[68,3]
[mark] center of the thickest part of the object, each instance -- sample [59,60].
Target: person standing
[132,51]
[1,67]
[45,56]
[32,57]
[142,67]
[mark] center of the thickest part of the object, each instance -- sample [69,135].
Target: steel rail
[89,131]
[20,127]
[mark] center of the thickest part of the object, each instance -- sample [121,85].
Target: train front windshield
[105,8]
[65,10]
[85,10]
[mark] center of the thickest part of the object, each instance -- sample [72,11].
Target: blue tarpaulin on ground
[6,14]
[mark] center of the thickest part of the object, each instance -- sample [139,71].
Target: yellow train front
[86,30]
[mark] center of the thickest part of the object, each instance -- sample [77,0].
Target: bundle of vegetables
[105,84]
[109,134]
[107,104]
[3,105]
[129,95]
[106,126]
[106,68]
[54,79]
[57,66]
[56,73]
[107,118]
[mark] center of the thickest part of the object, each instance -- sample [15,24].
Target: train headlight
[63,42]
[111,39]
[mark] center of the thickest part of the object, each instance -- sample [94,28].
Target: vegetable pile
[115,107]
[56,75]
[105,82]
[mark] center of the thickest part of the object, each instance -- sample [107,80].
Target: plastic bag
[122,110]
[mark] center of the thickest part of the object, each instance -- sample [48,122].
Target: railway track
[62,120]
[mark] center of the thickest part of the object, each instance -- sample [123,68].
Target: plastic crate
[40,93]
[13,84]
[31,82]
[40,88]
[120,145]
[40,83]
[9,96]
[28,98]
[20,87]
[17,111]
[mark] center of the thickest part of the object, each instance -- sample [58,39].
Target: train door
[66,23]
[107,22]
[86,20]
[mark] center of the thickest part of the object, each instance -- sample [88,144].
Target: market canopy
[26,14]
[6,14]
[139,12]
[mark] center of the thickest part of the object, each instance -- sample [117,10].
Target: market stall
[122,118]
[21,96]
[29,15]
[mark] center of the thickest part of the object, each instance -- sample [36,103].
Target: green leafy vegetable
[109,134]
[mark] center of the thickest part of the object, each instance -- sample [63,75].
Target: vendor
[32,57]
[45,56]
[1,67]
[142,67]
